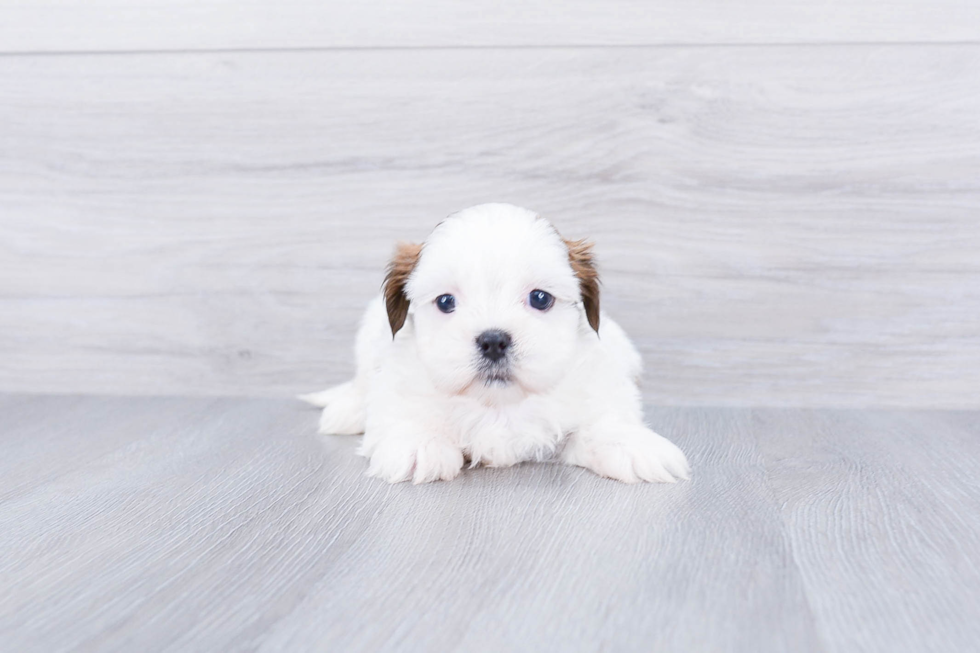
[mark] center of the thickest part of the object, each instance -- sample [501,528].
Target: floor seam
[788,541]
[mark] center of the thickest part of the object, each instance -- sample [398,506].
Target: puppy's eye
[540,300]
[446,303]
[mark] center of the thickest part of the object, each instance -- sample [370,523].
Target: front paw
[629,454]
[432,460]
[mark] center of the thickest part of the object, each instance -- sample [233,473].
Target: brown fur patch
[399,269]
[583,264]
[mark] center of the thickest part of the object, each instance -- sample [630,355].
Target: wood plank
[777,226]
[883,515]
[233,527]
[225,524]
[140,25]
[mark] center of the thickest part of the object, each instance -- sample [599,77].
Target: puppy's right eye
[446,303]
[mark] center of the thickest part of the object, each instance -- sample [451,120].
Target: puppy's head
[499,302]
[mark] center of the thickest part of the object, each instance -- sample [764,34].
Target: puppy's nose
[493,344]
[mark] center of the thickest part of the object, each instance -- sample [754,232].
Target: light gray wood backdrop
[198,198]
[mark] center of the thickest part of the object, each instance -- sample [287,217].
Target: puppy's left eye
[540,300]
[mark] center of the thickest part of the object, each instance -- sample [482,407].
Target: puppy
[487,346]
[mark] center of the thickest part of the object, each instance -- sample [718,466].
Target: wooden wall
[198,197]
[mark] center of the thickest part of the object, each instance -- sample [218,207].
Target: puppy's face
[498,302]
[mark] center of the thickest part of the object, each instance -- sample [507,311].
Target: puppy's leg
[343,409]
[344,405]
[625,451]
[610,437]
[407,451]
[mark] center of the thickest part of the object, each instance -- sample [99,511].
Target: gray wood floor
[145,524]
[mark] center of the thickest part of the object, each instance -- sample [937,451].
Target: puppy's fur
[428,398]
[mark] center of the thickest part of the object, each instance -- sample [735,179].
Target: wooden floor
[146,524]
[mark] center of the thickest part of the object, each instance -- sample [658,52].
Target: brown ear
[399,269]
[583,264]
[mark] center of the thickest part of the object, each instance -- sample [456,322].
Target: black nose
[493,344]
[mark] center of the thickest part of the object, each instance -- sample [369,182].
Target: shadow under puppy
[488,345]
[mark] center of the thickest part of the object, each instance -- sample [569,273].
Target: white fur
[419,398]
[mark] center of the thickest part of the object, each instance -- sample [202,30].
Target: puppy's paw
[431,460]
[629,454]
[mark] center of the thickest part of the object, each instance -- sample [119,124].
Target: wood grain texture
[113,25]
[157,524]
[776,226]
[881,509]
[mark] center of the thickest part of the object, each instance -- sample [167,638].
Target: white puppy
[488,346]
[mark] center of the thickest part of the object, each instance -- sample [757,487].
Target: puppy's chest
[530,430]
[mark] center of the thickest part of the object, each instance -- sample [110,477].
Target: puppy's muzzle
[493,344]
